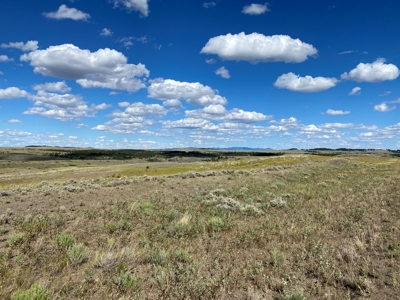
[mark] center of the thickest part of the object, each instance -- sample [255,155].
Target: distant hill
[242,149]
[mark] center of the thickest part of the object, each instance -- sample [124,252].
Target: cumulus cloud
[64,12]
[60,86]
[106,32]
[367,134]
[188,123]
[384,107]
[311,128]
[105,68]
[63,107]
[12,93]
[209,4]
[287,123]
[306,84]
[28,46]
[256,47]
[5,58]
[224,73]
[132,118]
[139,109]
[355,91]
[137,5]
[377,71]
[192,92]
[332,112]
[217,112]
[173,103]
[255,9]
[14,121]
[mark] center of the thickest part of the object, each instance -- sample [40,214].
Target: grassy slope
[324,228]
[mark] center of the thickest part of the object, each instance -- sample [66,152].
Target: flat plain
[98,224]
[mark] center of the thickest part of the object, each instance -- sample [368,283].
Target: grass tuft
[36,292]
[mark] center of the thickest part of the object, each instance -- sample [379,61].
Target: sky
[155,74]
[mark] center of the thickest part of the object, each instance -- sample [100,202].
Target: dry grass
[301,227]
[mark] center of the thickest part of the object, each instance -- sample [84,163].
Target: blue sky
[165,74]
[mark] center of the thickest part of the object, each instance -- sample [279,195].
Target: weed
[358,214]
[147,208]
[279,185]
[293,293]
[36,292]
[183,255]
[125,281]
[277,258]
[182,227]
[216,224]
[63,241]
[77,254]
[162,278]
[158,257]
[122,224]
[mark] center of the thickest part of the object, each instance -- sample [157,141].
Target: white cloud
[367,134]
[192,92]
[106,32]
[60,86]
[224,73]
[287,123]
[355,91]
[383,107]
[255,9]
[28,46]
[56,136]
[139,109]
[332,112]
[63,107]
[305,84]
[348,52]
[173,103]
[211,61]
[311,128]
[209,4]
[387,93]
[218,113]
[132,118]
[137,5]
[378,71]
[105,68]
[14,121]
[5,58]
[65,12]
[256,47]
[353,51]
[12,93]
[127,41]
[189,123]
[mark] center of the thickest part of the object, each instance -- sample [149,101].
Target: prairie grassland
[290,227]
